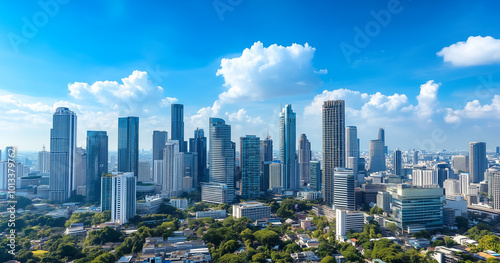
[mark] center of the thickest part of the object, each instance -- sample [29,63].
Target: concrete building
[214,193]
[376,162]
[121,188]
[215,214]
[179,203]
[460,163]
[304,160]
[452,187]
[465,180]
[343,187]
[421,176]
[352,148]
[275,178]
[144,171]
[384,200]
[252,210]
[43,160]
[348,220]
[397,163]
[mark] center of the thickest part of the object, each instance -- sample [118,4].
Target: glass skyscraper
[198,145]
[343,187]
[287,154]
[398,162]
[159,140]
[304,159]
[249,161]
[128,145]
[477,161]
[97,163]
[62,155]
[177,126]
[315,167]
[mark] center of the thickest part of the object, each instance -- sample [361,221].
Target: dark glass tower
[287,148]
[128,145]
[177,126]
[198,144]
[221,156]
[249,161]
[97,163]
[159,140]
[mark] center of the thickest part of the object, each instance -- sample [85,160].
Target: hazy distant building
[452,187]
[495,188]
[128,145]
[398,164]
[415,157]
[221,156]
[177,126]
[477,161]
[198,145]
[80,167]
[352,148]
[465,180]
[172,178]
[250,162]
[304,159]
[333,145]
[384,200]
[343,187]
[43,160]
[275,180]
[460,163]
[422,176]
[376,163]
[315,183]
[287,149]
[144,171]
[159,140]
[62,155]
[97,163]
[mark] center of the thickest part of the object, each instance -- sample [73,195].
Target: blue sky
[396,80]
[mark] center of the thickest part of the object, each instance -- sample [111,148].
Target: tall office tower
[267,149]
[122,197]
[80,167]
[97,163]
[333,145]
[351,148]
[381,136]
[43,160]
[415,157]
[62,155]
[465,180]
[414,207]
[275,178]
[106,183]
[198,145]
[144,171]
[177,126]
[128,145]
[221,156]
[343,189]
[443,172]
[489,177]
[287,148]
[424,177]
[494,185]
[249,161]
[159,140]
[304,159]
[172,182]
[398,164]
[477,161]
[315,175]
[376,163]
[188,163]
[460,163]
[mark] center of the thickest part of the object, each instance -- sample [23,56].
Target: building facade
[221,156]
[250,162]
[304,160]
[287,144]
[97,163]
[128,145]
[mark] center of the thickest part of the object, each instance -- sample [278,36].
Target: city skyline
[434,91]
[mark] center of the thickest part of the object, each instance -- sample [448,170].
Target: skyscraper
[304,159]
[43,160]
[343,187]
[351,148]
[128,145]
[477,161]
[159,140]
[376,163]
[266,152]
[333,144]
[62,155]
[177,126]
[123,197]
[172,179]
[97,163]
[397,162]
[381,136]
[287,149]
[415,157]
[221,156]
[315,175]
[249,161]
[198,145]
[80,167]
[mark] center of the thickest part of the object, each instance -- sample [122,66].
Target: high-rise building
[9,169]
[304,159]
[267,149]
[97,163]
[287,149]
[477,161]
[106,184]
[376,163]
[43,160]
[144,171]
[343,189]
[333,144]
[221,156]
[177,126]
[123,196]
[444,172]
[275,178]
[415,157]
[351,148]
[128,145]
[497,150]
[80,167]
[159,140]
[315,175]
[249,161]
[188,163]
[416,208]
[465,180]
[62,183]
[460,163]
[494,185]
[398,164]
[198,145]
[172,178]
[421,176]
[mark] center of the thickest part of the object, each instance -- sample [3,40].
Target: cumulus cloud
[475,51]
[427,99]
[264,72]
[474,110]
[242,116]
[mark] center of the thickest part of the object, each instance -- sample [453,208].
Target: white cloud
[168,101]
[475,51]
[474,110]
[264,72]
[427,99]
[242,116]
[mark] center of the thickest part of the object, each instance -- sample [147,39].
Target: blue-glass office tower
[249,161]
[128,145]
[221,156]
[198,145]
[478,163]
[287,154]
[315,167]
[106,185]
[97,163]
[398,164]
[159,140]
[62,155]
[177,126]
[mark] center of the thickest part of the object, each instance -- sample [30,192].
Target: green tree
[104,258]
[392,227]
[267,237]
[230,258]
[328,259]
[259,257]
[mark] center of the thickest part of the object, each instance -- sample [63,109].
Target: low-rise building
[252,210]
[215,214]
